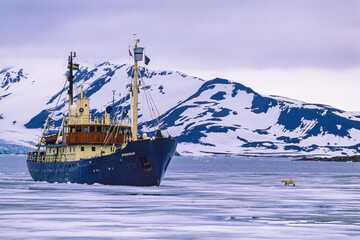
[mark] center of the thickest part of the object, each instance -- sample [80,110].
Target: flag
[130,52]
[147,60]
[75,66]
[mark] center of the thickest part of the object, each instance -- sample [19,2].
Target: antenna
[113,103]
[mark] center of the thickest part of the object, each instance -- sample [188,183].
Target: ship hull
[139,163]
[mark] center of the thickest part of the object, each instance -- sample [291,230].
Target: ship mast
[71,78]
[138,54]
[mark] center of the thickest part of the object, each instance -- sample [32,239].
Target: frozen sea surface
[200,198]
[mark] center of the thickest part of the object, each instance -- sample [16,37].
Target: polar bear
[289,181]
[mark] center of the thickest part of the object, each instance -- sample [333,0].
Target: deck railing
[35,157]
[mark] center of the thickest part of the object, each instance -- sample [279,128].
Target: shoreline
[355,158]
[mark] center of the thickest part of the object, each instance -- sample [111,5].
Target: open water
[200,198]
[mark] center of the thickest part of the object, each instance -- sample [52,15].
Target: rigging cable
[107,137]
[151,117]
[53,112]
[151,109]
[157,111]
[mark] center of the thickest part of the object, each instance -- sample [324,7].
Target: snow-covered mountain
[205,117]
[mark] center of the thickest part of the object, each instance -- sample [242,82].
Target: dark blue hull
[140,163]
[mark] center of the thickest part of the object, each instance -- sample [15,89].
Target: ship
[103,150]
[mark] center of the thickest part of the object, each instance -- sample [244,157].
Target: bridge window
[105,129]
[86,129]
[78,129]
[92,128]
[98,128]
[72,129]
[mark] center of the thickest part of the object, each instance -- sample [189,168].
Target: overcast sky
[307,50]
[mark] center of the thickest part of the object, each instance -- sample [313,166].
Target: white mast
[138,54]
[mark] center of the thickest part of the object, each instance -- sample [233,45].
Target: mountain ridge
[217,116]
